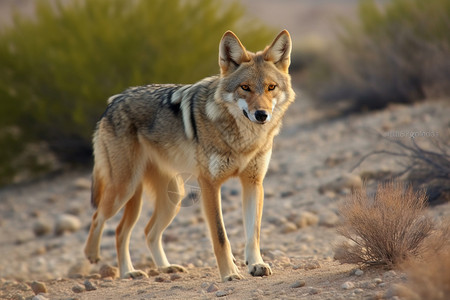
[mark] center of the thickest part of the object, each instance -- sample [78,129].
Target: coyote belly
[217,128]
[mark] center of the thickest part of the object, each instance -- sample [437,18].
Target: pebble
[288,227]
[41,227]
[39,297]
[328,219]
[222,293]
[297,284]
[389,274]
[78,289]
[80,269]
[67,223]
[109,271]
[348,285]
[377,280]
[153,272]
[212,288]
[82,184]
[305,219]
[359,272]
[313,291]
[160,279]
[38,287]
[175,276]
[89,286]
[358,291]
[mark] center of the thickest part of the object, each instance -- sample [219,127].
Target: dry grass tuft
[385,229]
[429,278]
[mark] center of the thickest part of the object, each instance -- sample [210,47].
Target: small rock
[160,279]
[82,184]
[66,223]
[221,293]
[109,271]
[313,291]
[345,182]
[297,284]
[89,286]
[80,269]
[78,289]
[153,272]
[377,280]
[94,276]
[348,285]
[288,227]
[328,219]
[175,276]
[389,274]
[358,272]
[305,219]
[39,297]
[212,288]
[311,265]
[41,227]
[358,291]
[38,287]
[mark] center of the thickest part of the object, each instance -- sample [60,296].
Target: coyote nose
[261,115]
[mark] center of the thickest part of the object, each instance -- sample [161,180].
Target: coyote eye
[245,87]
[271,87]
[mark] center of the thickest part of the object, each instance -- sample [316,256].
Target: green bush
[58,68]
[397,53]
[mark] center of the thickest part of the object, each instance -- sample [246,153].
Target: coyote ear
[280,51]
[231,53]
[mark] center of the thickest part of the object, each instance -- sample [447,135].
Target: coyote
[217,128]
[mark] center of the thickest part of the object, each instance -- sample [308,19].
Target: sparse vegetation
[429,278]
[426,168]
[397,53]
[386,229]
[58,67]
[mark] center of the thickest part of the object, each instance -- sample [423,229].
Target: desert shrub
[429,277]
[386,229]
[58,68]
[425,168]
[397,53]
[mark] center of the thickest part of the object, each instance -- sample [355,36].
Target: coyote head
[253,84]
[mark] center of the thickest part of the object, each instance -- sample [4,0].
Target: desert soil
[43,225]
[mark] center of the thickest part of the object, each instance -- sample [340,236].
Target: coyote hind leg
[166,208]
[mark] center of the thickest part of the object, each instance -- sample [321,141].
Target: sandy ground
[303,183]
[303,188]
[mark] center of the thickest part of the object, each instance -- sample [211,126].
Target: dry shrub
[385,229]
[426,168]
[429,278]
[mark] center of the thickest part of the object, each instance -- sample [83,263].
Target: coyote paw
[173,269]
[92,257]
[135,274]
[232,277]
[260,269]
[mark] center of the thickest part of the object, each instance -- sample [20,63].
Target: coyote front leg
[253,199]
[213,212]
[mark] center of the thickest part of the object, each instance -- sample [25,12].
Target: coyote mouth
[245,114]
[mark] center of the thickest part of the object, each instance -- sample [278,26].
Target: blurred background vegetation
[60,63]
[58,67]
[393,53]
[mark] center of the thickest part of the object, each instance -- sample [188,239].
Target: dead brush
[429,277]
[385,229]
